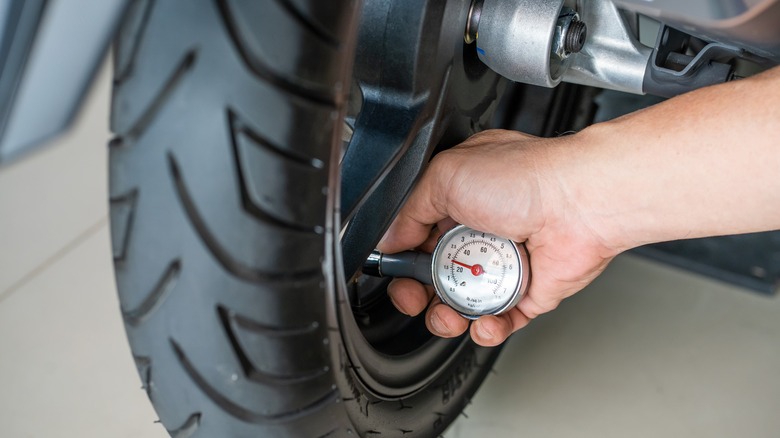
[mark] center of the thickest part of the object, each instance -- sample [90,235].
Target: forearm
[706,163]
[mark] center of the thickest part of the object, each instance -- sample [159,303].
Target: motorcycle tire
[224,182]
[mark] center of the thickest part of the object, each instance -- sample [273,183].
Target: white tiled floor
[53,196]
[65,366]
[644,351]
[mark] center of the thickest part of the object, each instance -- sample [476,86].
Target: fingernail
[483,332]
[399,308]
[382,240]
[438,325]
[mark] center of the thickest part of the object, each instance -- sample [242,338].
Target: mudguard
[49,53]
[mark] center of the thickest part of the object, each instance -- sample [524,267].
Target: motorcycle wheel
[239,216]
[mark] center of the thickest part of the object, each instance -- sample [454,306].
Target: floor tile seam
[55,257]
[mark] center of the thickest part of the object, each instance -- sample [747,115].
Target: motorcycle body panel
[749,24]
[51,49]
[49,53]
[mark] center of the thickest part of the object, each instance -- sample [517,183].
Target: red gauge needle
[476,270]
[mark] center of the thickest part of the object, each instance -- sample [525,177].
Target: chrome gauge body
[479,273]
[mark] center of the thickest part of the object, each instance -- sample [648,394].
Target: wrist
[589,198]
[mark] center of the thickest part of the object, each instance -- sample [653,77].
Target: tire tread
[155,297]
[241,412]
[259,67]
[222,255]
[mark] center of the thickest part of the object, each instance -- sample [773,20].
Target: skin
[702,164]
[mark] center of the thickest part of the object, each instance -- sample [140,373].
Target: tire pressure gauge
[479,273]
[473,272]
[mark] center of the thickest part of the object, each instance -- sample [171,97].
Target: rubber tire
[222,181]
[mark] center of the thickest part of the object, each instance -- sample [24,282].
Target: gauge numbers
[478,273]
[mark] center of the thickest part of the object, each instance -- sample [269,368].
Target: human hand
[509,184]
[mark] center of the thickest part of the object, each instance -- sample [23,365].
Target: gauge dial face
[479,273]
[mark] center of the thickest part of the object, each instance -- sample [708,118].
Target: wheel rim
[426,90]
